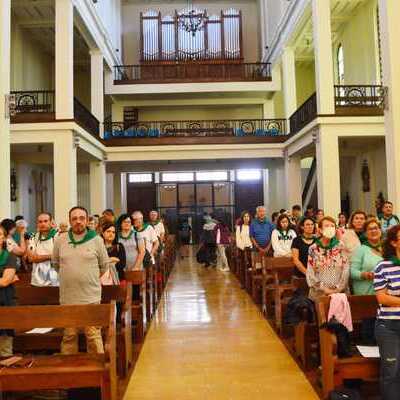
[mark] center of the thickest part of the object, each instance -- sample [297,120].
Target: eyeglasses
[374,228]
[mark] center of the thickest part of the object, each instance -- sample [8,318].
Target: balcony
[195,132]
[39,106]
[350,100]
[192,72]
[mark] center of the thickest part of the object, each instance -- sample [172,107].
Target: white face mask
[329,232]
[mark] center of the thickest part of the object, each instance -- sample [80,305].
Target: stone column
[5,43]
[98,199]
[65,175]
[328,173]
[293,181]
[389,13]
[97,86]
[289,82]
[324,80]
[64,61]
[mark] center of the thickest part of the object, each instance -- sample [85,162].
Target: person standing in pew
[81,258]
[328,266]
[8,268]
[365,259]
[387,327]
[40,250]
[260,234]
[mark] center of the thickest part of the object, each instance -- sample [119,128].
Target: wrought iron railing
[34,101]
[360,96]
[201,128]
[86,119]
[306,113]
[192,72]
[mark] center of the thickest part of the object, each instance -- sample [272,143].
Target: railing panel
[360,96]
[86,119]
[34,101]
[196,128]
[192,72]
[306,113]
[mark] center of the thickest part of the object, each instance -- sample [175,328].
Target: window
[178,177]
[248,175]
[140,178]
[340,65]
[212,176]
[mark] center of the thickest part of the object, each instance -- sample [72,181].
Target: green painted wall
[305,81]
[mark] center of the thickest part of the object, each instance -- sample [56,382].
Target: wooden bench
[35,296]
[63,371]
[335,369]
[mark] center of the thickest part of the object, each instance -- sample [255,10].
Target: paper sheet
[369,351]
[41,331]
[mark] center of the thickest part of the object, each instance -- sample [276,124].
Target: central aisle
[209,341]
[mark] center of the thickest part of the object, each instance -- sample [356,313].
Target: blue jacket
[261,231]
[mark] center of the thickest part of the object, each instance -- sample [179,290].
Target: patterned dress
[327,268]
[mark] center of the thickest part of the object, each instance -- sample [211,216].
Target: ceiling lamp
[192,20]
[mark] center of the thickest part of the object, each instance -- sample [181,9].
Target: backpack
[147,260]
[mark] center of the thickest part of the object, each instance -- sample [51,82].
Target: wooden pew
[63,371]
[334,369]
[35,296]
[278,286]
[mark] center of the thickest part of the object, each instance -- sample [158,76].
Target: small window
[212,176]
[178,177]
[248,175]
[340,65]
[140,178]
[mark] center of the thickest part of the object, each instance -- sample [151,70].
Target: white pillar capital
[64,61]
[322,33]
[5,44]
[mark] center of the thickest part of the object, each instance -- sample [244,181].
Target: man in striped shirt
[387,288]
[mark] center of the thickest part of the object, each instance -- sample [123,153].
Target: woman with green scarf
[328,266]
[8,268]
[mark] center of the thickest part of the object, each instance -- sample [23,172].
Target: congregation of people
[79,257]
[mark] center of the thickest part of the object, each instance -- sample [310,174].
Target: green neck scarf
[362,237]
[395,260]
[284,235]
[333,242]
[308,238]
[126,237]
[89,235]
[377,247]
[145,226]
[50,235]
[4,257]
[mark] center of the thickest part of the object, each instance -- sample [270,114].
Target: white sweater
[282,247]
[243,237]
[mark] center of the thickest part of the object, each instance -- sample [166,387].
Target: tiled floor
[209,341]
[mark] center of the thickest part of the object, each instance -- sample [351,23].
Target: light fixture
[192,20]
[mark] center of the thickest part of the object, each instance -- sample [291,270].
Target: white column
[293,181]
[124,194]
[289,81]
[389,12]
[97,84]
[5,43]
[98,198]
[65,175]
[64,84]
[117,206]
[328,173]
[321,14]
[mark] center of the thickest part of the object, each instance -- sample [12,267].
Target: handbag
[110,277]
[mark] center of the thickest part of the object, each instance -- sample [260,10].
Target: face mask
[329,232]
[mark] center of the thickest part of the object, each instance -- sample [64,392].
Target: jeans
[388,337]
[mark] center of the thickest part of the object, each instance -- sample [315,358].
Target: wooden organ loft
[170,54]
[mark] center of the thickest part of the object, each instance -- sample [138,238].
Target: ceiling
[37,19]
[341,12]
